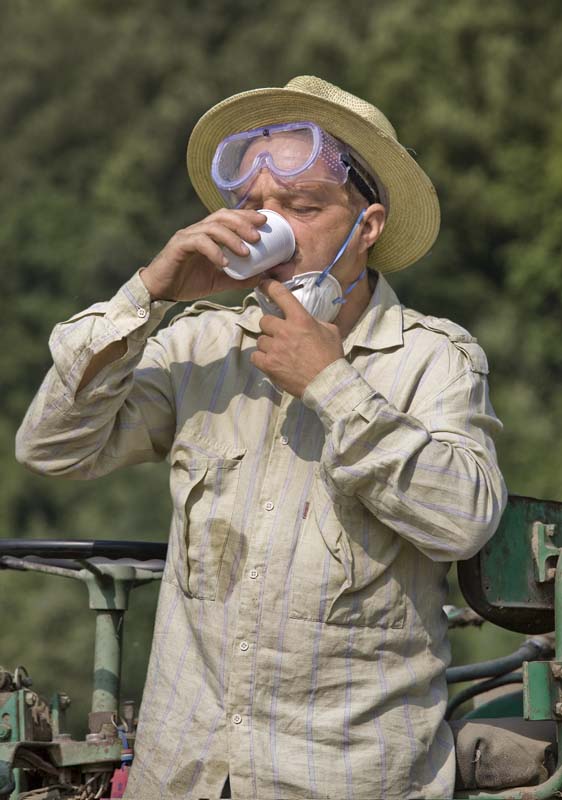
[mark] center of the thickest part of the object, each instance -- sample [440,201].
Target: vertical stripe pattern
[299,644]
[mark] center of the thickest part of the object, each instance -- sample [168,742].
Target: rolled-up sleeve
[430,474]
[124,415]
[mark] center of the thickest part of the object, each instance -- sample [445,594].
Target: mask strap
[340,253]
[350,287]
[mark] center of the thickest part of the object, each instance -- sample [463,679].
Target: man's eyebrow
[310,193]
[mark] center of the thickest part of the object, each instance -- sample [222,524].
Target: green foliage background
[97,99]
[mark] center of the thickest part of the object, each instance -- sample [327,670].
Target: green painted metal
[558,656]
[109,586]
[544,551]
[59,703]
[71,753]
[68,753]
[540,691]
[107,660]
[506,705]
[10,714]
[509,566]
[13,716]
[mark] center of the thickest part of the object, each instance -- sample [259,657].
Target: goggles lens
[288,151]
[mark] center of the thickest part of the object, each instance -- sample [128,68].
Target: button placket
[241,675]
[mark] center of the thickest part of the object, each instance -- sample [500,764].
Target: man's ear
[372,227]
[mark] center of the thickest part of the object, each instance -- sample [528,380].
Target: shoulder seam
[201,306]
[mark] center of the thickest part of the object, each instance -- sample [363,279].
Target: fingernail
[225,261]
[244,249]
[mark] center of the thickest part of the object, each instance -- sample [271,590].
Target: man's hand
[191,264]
[292,351]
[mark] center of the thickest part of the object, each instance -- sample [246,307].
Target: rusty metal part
[6,680]
[28,759]
[22,679]
[103,722]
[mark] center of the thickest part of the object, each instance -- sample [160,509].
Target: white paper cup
[276,245]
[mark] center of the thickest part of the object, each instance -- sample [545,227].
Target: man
[325,467]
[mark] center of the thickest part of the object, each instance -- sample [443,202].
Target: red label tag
[305,510]
[119,782]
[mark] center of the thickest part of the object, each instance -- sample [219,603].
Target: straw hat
[413,208]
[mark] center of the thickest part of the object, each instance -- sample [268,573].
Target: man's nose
[265,190]
[272,204]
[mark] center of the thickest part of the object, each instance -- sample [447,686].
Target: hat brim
[413,217]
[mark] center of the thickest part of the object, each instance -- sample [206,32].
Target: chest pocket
[343,566]
[204,484]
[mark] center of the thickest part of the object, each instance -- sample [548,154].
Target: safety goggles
[289,151]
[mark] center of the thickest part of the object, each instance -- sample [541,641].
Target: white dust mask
[321,300]
[318,292]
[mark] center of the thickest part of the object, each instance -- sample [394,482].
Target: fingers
[259,360]
[203,244]
[284,298]
[244,223]
[225,228]
[271,325]
[264,343]
[225,237]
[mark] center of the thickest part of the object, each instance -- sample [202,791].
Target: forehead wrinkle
[317,192]
[290,148]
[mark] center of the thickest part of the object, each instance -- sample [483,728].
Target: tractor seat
[503,753]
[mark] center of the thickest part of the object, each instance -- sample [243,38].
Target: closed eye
[305,209]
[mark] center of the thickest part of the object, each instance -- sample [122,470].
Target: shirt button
[284,440]
[253,573]
[141,312]
[244,645]
[237,719]
[269,506]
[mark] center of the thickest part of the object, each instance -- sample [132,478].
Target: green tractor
[507,746]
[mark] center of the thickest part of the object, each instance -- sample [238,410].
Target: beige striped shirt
[300,644]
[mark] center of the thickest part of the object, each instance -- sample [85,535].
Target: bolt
[556,670]
[64,701]
[29,698]
[558,709]
[550,530]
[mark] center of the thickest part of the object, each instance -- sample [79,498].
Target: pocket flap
[198,451]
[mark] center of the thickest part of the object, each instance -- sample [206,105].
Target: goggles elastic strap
[342,249]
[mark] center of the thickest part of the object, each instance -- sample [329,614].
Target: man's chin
[282,272]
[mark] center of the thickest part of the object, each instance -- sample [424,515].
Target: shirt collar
[251,314]
[379,327]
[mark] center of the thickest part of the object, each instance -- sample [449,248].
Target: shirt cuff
[131,311]
[336,391]
[129,315]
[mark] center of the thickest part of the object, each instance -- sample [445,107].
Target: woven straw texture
[413,208]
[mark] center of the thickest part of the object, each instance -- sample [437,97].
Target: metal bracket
[543,550]
[542,690]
